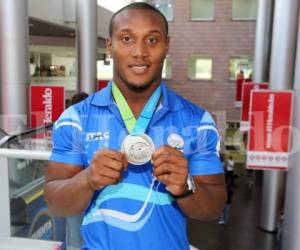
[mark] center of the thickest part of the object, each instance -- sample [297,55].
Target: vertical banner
[46,105]
[238,91]
[270,129]
[246,90]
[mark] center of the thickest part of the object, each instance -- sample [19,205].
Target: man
[124,155]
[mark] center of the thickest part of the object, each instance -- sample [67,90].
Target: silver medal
[138,148]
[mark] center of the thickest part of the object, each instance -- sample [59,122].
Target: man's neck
[137,100]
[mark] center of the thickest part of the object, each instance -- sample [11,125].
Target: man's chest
[109,131]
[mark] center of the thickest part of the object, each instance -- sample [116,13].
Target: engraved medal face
[138,148]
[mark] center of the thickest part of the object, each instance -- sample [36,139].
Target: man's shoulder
[84,104]
[186,106]
[91,101]
[78,111]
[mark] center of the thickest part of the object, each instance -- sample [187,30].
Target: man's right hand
[106,168]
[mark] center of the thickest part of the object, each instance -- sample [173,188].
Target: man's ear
[108,46]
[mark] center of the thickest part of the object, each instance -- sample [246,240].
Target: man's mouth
[139,68]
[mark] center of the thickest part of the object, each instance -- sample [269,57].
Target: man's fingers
[108,172]
[112,159]
[107,168]
[165,179]
[109,163]
[165,150]
[170,180]
[113,154]
[97,182]
[165,168]
[169,158]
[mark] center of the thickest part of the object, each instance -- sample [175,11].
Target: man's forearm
[206,203]
[68,197]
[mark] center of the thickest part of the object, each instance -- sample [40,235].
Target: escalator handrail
[6,140]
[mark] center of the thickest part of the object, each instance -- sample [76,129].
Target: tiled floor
[242,231]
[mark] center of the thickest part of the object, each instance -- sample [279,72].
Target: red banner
[238,91]
[246,90]
[270,129]
[46,104]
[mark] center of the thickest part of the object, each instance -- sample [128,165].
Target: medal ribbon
[139,126]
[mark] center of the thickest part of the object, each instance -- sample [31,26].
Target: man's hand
[171,168]
[106,168]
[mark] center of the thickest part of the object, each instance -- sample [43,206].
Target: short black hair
[137,6]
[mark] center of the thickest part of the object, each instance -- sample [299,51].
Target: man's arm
[67,191]
[208,200]
[69,188]
[171,168]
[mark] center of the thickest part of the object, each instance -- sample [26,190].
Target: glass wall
[29,214]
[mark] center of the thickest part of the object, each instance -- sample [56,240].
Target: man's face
[138,46]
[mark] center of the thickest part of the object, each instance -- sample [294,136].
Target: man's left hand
[171,168]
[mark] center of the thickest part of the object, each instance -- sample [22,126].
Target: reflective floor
[242,231]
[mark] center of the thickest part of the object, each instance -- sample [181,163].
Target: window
[167,69]
[53,65]
[244,9]
[238,63]
[202,9]
[165,7]
[199,67]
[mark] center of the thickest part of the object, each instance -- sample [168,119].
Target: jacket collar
[169,101]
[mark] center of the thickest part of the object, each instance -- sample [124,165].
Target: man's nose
[139,50]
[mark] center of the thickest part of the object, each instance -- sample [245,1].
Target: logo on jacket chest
[175,141]
[97,136]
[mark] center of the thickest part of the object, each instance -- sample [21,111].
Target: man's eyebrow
[130,30]
[125,30]
[155,31]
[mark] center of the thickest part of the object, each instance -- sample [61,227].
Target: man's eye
[126,39]
[151,40]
